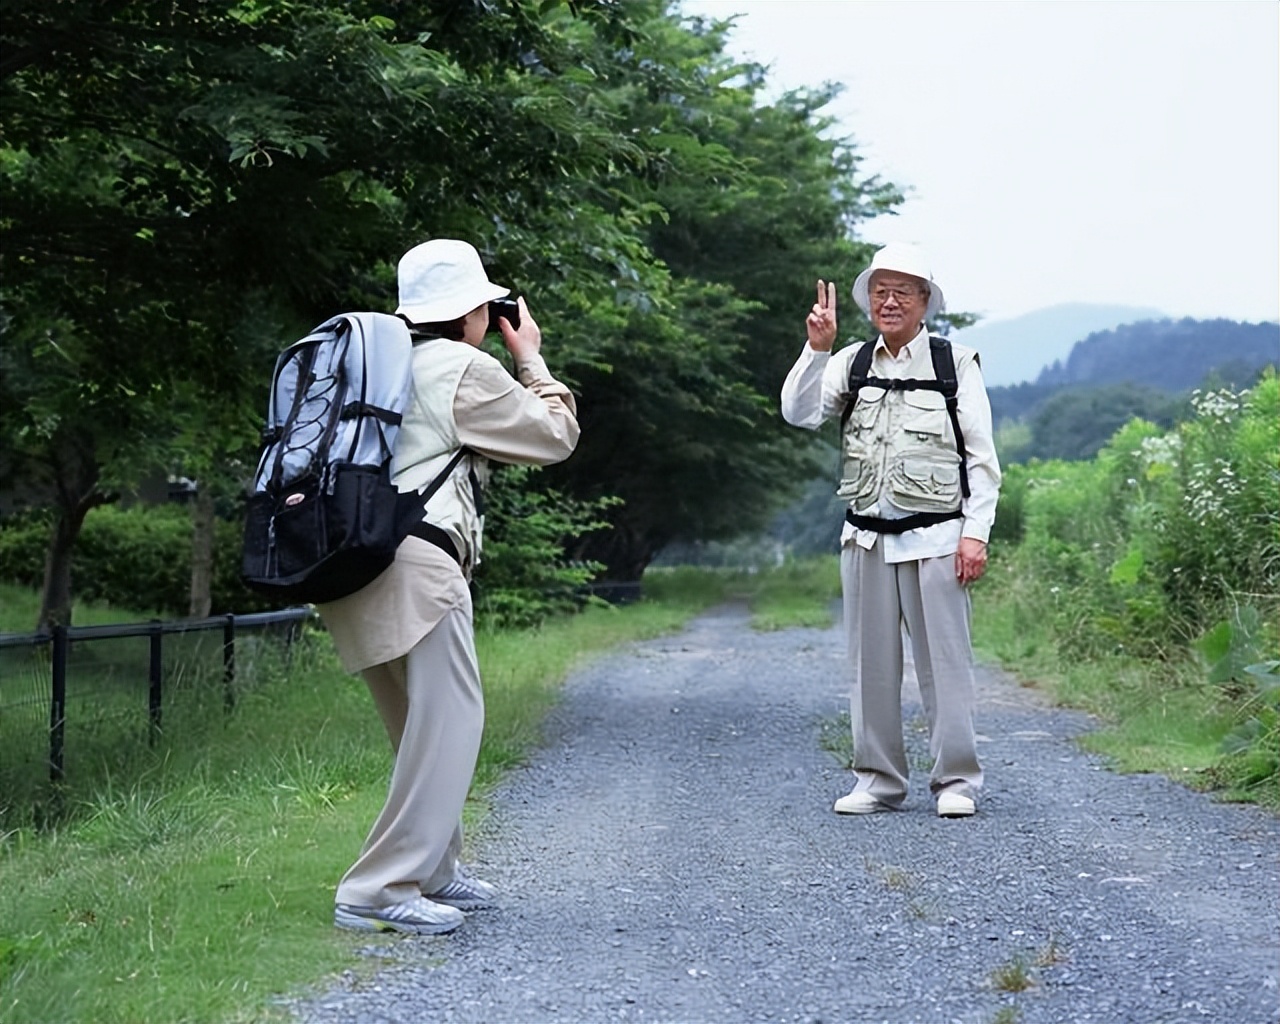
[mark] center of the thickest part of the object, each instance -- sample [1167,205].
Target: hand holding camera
[507,309]
[520,333]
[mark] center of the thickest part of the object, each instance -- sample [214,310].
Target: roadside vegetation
[800,593]
[1144,586]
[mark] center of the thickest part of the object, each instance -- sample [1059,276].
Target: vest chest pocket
[866,411]
[924,475]
[861,454]
[857,482]
[924,416]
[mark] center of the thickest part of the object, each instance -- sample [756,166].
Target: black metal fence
[114,685]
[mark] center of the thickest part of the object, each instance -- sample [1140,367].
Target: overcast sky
[1056,150]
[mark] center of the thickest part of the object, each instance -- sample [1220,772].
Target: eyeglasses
[880,294]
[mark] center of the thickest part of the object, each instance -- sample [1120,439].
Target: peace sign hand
[821,322]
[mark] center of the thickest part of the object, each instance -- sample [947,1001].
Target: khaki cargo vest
[428,438]
[899,446]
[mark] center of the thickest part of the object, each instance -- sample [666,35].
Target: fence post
[155,696]
[229,662]
[58,705]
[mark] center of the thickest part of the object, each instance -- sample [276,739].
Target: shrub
[137,557]
[1164,534]
[140,557]
[525,576]
[1010,522]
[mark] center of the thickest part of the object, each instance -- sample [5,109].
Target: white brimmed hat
[905,259]
[442,280]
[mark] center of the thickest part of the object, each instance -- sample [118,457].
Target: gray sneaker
[418,916]
[465,893]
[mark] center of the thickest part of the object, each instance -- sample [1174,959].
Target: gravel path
[671,855]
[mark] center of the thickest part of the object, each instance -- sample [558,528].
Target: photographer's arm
[533,422]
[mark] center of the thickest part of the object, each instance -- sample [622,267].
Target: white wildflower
[1160,451]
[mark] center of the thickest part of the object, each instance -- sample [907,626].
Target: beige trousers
[433,709]
[879,598]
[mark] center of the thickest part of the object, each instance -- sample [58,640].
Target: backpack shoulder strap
[859,368]
[944,366]
[944,370]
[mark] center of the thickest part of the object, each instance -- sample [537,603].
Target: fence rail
[60,640]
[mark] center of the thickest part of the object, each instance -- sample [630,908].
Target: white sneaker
[860,802]
[955,805]
[418,916]
[465,893]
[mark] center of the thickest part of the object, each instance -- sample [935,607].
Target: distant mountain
[1172,355]
[1163,357]
[1017,349]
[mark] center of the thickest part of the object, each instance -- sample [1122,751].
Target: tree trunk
[202,527]
[75,488]
[55,598]
[624,551]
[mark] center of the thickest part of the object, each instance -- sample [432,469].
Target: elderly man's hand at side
[971,560]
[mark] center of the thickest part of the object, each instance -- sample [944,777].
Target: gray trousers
[925,595]
[433,709]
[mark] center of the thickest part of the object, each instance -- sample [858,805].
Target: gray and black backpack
[324,518]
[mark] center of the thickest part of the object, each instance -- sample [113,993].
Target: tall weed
[1136,557]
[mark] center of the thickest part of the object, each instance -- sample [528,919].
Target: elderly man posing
[920,474]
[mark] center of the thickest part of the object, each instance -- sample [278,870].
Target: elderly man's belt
[911,522]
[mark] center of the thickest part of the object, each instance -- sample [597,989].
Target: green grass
[796,594]
[800,593]
[1012,976]
[836,738]
[20,608]
[1157,716]
[196,882]
[107,725]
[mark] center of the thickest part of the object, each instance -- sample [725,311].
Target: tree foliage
[1076,423]
[186,187]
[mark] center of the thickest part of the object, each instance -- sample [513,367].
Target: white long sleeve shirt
[815,390]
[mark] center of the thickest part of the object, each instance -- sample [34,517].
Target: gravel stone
[671,854]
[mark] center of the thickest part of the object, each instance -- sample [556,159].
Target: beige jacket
[462,397]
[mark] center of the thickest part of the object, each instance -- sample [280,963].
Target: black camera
[508,309]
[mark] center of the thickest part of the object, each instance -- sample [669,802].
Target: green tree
[757,201]
[1077,422]
[170,172]
[186,186]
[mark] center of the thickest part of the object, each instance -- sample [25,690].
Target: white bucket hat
[442,280]
[905,259]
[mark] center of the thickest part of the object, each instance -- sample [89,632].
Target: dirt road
[671,855]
